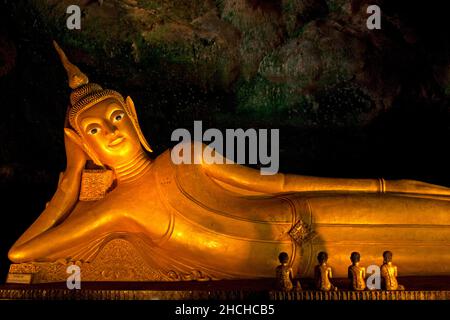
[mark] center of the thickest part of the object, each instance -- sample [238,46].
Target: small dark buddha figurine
[323,273]
[284,273]
[356,273]
[389,273]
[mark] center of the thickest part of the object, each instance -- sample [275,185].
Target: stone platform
[419,288]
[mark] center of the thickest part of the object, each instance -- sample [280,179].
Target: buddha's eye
[119,117]
[93,131]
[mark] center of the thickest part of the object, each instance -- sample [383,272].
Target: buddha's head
[387,256]
[355,257]
[101,121]
[283,257]
[322,257]
[109,132]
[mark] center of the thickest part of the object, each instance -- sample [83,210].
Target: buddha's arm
[317,274]
[62,201]
[251,179]
[384,272]
[65,196]
[62,237]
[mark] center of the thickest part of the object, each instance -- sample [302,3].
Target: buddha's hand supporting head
[75,153]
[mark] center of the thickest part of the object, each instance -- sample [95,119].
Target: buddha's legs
[416,230]
[71,233]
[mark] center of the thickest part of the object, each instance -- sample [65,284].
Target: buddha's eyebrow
[111,108]
[87,121]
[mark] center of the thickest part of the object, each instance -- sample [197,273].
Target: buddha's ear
[134,119]
[75,138]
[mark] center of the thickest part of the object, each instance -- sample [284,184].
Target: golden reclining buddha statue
[218,221]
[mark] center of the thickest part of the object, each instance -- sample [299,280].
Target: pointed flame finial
[74,74]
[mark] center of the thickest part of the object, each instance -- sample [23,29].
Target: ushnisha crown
[84,94]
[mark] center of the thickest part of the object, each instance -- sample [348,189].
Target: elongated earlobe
[92,155]
[133,116]
[73,136]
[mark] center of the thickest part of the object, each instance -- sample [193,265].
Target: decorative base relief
[118,260]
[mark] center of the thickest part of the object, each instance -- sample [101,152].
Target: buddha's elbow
[17,255]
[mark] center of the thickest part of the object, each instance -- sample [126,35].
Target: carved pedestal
[118,260]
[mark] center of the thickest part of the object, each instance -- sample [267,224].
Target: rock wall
[311,63]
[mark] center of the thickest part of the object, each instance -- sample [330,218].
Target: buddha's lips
[116,141]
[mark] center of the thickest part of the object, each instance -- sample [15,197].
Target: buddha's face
[109,132]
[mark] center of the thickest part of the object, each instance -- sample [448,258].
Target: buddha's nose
[112,129]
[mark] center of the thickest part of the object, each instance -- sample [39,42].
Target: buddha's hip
[236,256]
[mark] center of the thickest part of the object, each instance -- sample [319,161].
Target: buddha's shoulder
[167,165]
[162,159]
[187,155]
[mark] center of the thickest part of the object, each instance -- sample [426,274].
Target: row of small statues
[323,274]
